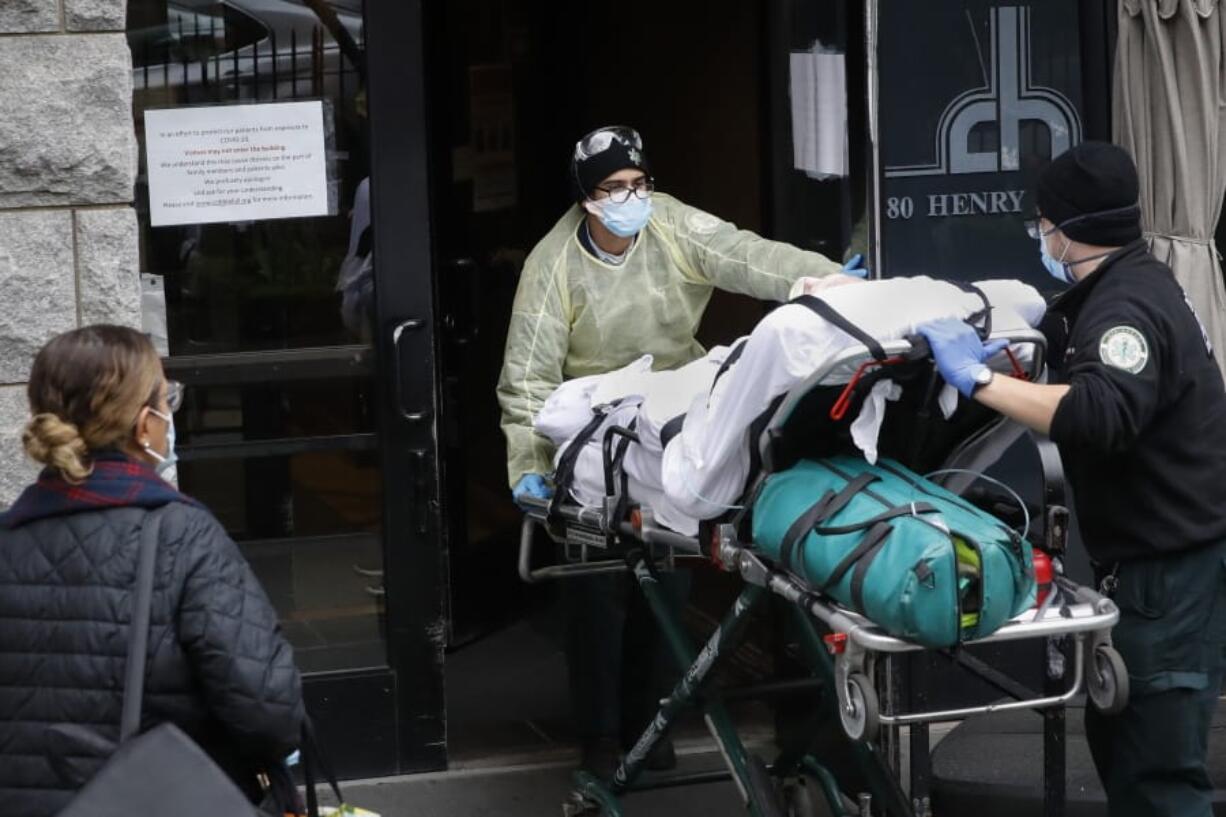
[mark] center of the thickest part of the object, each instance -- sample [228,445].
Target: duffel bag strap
[845,496]
[871,542]
[874,541]
[826,507]
[800,528]
[913,509]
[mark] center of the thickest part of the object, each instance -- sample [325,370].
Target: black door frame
[407,384]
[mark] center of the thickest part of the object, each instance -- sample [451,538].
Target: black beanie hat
[589,171]
[1095,183]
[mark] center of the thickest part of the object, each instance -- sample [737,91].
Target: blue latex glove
[855,266]
[958,352]
[531,485]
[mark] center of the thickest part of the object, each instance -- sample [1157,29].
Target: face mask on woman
[165,462]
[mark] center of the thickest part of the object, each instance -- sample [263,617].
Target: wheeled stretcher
[841,648]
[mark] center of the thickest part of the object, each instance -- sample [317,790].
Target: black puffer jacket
[218,666]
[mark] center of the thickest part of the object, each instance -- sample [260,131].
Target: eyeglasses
[1034,228]
[620,194]
[599,140]
[174,395]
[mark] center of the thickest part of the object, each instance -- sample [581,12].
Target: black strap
[825,508]
[922,427]
[801,527]
[671,429]
[312,756]
[623,445]
[730,361]
[984,314]
[911,509]
[875,537]
[138,629]
[564,474]
[849,492]
[832,316]
[623,502]
[875,540]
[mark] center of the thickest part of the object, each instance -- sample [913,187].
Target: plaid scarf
[117,481]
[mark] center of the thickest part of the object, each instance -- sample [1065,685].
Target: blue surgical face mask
[625,219]
[1055,267]
[165,462]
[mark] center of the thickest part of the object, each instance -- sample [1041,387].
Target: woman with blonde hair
[217,667]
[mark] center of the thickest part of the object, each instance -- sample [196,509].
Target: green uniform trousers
[1172,636]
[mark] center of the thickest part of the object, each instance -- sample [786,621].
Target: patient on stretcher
[693,457]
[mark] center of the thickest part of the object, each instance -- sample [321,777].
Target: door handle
[410,325]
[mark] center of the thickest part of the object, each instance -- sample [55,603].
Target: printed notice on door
[236,163]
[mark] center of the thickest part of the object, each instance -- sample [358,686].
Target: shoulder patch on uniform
[702,223]
[1124,348]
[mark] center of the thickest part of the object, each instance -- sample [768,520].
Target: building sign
[236,163]
[974,99]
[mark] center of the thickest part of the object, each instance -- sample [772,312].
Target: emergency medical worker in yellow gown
[625,272]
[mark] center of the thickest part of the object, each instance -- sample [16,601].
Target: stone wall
[68,234]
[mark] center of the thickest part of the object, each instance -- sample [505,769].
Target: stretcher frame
[595,541]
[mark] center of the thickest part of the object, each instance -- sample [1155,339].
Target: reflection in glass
[267,284]
[267,322]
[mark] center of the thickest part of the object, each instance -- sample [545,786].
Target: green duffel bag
[919,561]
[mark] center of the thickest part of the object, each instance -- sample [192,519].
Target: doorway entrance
[512,86]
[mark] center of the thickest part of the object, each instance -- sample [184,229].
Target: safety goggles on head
[1035,230]
[620,193]
[599,140]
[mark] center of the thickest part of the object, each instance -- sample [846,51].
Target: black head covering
[1096,184]
[587,171]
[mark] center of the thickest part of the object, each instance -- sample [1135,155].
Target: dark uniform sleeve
[1115,377]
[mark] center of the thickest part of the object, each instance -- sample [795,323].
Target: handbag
[163,771]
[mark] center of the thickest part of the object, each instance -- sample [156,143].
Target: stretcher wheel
[860,714]
[1107,684]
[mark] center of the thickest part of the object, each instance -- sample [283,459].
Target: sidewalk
[534,789]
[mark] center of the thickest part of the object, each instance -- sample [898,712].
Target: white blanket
[703,470]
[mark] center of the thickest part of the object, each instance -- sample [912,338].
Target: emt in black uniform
[1138,411]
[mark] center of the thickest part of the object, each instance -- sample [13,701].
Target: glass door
[272,322]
